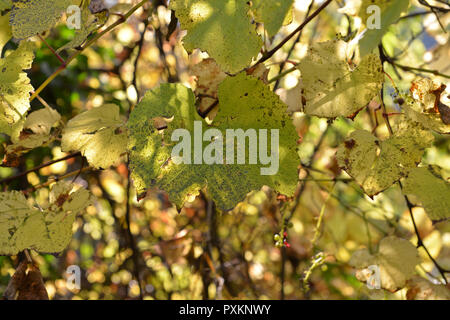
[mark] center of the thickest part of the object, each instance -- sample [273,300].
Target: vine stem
[51,180]
[131,240]
[70,156]
[119,21]
[52,50]
[270,53]
[282,74]
[408,68]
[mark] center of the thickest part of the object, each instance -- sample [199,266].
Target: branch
[270,53]
[70,156]
[51,180]
[291,50]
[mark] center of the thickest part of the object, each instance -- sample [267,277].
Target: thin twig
[52,180]
[270,53]
[56,54]
[291,50]
[19,175]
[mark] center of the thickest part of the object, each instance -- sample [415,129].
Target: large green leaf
[331,87]
[220,27]
[376,164]
[245,103]
[100,135]
[23,226]
[431,190]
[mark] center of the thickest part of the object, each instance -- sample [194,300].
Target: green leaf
[331,87]
[245,103]
[89,23]
[376,165]
[99,134]
[23,226]
[396,260]
[35,132]
[273,13]
[5,31]
[220,27]
[431,190]
[31,17]
[390,12]
[5,4]
[15,86]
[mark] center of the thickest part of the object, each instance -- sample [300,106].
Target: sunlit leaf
[15,86]
[424,105]
[331,87]
[5,31]
[35,131]
[390,11]
[422,289]
[432,191]
[273,13]
[99,134]
[220,27]
[23,226]
[376,164]
[396,260]
[31,17]
[88,24]
[245,103]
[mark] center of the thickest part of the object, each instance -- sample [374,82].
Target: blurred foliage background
[198,253]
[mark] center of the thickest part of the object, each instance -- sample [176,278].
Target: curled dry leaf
[26,284]
[209,76]
[426,105]
[422,289]
[35,132]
